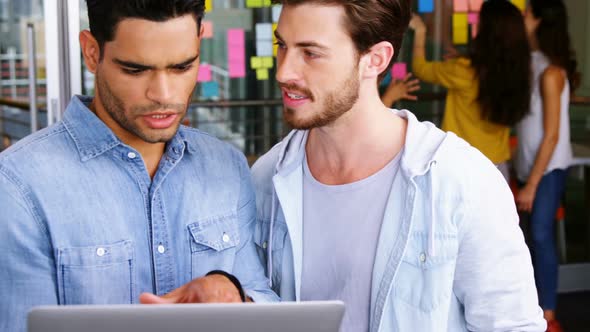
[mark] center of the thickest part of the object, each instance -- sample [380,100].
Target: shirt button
[100,252]
[131,155]
[225,237]
[161,249]
[264,245]
[422,257]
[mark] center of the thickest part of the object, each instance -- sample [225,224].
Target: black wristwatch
[234,281]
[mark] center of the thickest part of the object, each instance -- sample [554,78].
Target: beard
[115,107]
[336,103]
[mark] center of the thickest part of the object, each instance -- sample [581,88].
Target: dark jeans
[539,229]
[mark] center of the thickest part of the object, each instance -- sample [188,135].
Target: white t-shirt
[341,225]
[530,129]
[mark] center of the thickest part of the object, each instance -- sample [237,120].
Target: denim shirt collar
[93,137]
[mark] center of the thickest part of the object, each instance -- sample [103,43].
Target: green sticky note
[262,74]
[253,3]
[267,62]
[255,62]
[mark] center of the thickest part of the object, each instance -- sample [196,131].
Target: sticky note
[207,29]
[460,28]
[521,4]
[475,5]
[208,5]
[276,13]
[266,3]
[210,89]
[255,62]
[474,28]
[204,73]
[399,70]
[267,62]
[264,48]
[425,6]
[460,6]
[262,74]
[263,31]
[253,3]
[236,37]
[473,18]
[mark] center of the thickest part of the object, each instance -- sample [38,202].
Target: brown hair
[370,21]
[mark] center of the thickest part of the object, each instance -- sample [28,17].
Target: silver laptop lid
[323,316]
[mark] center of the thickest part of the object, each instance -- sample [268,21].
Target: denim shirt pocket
[101,274]
[213,244]
[261,239]
[423,281]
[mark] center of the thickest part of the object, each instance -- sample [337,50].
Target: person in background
[119,199]
[544,152]
[398,89]
[488,91]
[410,226]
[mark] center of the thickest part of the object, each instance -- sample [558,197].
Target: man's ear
[377,59]
[90,50]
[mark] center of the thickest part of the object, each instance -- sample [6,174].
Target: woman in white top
[544,150]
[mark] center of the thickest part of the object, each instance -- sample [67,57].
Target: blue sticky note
[425,6]
[209,89]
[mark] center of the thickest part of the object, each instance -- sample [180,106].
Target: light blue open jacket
[450,255]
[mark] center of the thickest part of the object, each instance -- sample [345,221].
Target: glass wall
[15,16]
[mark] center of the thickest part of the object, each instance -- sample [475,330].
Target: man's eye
[183,68]
[310,54]
[133,71]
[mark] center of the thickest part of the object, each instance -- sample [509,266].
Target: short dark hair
[105,15]
[370,21]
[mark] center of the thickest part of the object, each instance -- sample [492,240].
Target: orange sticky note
[460,6]
[475,5]
[207,29]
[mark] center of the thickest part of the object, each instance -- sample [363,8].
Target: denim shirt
[82,222]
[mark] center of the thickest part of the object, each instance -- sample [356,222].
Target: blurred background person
[488,90]
[544,151]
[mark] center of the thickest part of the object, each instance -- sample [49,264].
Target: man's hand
[209,289]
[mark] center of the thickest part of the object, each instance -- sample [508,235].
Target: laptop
[320,316]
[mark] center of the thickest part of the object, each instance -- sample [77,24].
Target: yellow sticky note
[262,74]
[266,3]
[267,62]
[208,5]
[521,4]
[460,36]
[460,28]
[253,3]
[275,49]
[255,62]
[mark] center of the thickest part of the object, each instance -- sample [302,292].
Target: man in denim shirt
[118,199]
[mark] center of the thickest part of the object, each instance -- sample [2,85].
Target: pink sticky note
[207,29]
[236,37]
[475,5]
[460,6]
[473,18]
[474,30]
[237,69]
[204,73]
[399,71]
